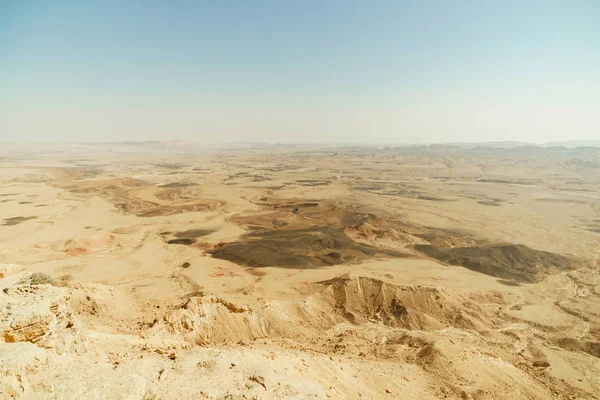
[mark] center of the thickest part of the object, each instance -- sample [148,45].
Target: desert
[153,271]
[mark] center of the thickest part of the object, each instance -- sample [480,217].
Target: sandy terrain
[150,271]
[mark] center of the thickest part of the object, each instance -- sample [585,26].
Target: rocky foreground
[377,340]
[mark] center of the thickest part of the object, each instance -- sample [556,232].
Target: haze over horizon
[381,71]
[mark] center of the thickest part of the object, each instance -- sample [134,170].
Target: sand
[268,272]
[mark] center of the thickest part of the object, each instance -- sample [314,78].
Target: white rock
[10,269]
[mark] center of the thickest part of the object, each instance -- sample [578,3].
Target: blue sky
[300,71]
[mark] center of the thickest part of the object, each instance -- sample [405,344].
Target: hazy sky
[300,71]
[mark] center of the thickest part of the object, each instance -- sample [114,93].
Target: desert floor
[134,272]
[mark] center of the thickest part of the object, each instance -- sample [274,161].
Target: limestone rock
[209,319]
[10,269]
[16,361]
[40,314]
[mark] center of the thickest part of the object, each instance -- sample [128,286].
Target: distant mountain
[574,143]
[495,145]
[152,144]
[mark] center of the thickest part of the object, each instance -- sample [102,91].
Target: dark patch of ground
[16,220]
[313,182]
[274,187]
[176,185]
[573,344]
[246,177]
[186,242]
[508,181]
[278,168]
[168,210]
[295,207]
[352,218]
[301,248]
[493,203]
[511,262]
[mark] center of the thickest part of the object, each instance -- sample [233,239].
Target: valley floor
[349,273]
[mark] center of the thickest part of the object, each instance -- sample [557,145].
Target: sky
[305,71]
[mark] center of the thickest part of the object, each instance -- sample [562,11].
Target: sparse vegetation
[37,278]
[63,280]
